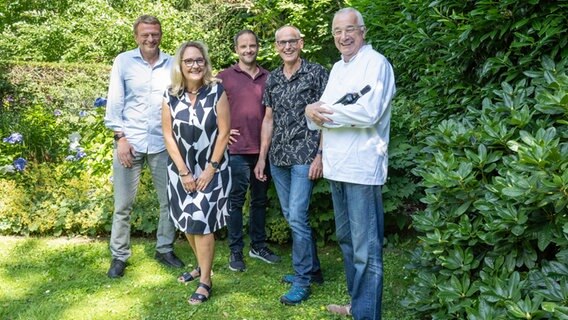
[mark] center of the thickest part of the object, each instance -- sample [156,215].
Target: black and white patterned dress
[195,131]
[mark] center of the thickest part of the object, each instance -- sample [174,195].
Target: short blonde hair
[178,79]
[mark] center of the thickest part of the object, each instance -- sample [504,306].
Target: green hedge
[484,88]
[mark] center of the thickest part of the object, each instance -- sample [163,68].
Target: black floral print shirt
[292,142]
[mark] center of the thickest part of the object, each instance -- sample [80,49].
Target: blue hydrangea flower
[100,102]
[82,113]
[20,164]
[70,158]
[57,112]
[80,154]
[13,138]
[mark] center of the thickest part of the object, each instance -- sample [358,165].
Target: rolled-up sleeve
[115,99]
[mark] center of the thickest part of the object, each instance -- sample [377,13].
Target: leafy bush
[65,187]
[481,89]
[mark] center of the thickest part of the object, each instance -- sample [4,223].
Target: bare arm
[316,168]
[223,133]
[186,175]
[265,138]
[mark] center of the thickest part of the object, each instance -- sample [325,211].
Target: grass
[60,278]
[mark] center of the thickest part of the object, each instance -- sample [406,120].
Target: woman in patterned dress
[196,124]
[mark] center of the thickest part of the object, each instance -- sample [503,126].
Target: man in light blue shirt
[137,83]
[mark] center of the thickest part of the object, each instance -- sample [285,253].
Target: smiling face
[247,49]
[289,44]
[148,38]
[349,36]
[193,66]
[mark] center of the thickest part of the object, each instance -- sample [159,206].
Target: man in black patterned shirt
[293,150]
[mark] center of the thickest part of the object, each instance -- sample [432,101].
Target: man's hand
[316,168]
[259,170]
[233,135]
[125,152]
[316,112]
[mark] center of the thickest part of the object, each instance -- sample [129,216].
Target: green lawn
[60,278]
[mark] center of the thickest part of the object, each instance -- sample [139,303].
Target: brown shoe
[343,310]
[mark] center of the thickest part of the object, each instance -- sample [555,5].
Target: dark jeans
[242,173]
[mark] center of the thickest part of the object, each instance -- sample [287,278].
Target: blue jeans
[294,190]
[125,181]
[359,226]
[242,173]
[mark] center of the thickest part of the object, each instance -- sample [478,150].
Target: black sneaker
[264,254]
[236,261]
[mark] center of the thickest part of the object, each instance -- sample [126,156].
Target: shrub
[485,83]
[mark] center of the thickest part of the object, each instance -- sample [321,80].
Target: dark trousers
[242,173]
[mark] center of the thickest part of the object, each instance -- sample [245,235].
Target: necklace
[194,92]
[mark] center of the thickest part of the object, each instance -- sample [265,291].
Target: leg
[189,276]
[366,224]
[240,173]
[166,233]
[258,201]
[304,251]
[125,182]
[343,230]
[205,251]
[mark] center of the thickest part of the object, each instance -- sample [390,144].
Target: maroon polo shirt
[247,111]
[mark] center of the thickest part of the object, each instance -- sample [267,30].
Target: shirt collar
[161,58]
[261,71]
[364,48]
[303,69]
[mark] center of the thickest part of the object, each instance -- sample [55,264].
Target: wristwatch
[214,164]
[118,136]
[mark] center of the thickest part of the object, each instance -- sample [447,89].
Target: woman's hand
[188,183]
[205,178]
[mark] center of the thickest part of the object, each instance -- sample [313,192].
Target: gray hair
[288,26]
[360,20]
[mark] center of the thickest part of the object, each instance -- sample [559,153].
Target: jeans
[359,226]
[294,190]
[242,174]
[126,181]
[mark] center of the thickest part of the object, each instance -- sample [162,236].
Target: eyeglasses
[291,42]
[349,30]
[190,62]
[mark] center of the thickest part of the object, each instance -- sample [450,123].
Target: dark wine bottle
[351,98]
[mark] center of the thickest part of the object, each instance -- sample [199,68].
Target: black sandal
[186,277]
[198,298]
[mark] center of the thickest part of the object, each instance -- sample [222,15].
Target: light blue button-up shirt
[134,102]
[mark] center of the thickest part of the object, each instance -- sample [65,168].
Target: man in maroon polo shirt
[244,84]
